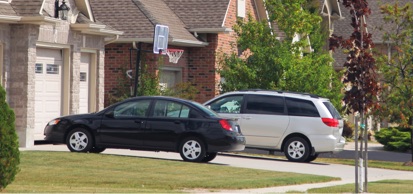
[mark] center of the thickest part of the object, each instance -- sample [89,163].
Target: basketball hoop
[174,54]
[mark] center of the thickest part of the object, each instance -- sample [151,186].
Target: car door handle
[139,122]
[247,118]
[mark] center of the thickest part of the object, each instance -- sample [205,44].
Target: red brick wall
[118,58]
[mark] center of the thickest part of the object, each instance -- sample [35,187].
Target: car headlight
[54,122]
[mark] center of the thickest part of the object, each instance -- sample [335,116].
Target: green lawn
[45,172]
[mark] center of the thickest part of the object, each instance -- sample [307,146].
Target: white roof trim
[9,19]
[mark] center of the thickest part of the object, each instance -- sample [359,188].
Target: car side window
[299,107]
[165,108]
[228,104]
[262,104]
[132,109]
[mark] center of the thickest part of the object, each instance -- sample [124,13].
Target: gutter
[112,40]
[211,30]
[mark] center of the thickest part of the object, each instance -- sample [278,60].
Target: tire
[79,140]
[192,149]
[97,150]
[311,158]
[209,157]
[297,149]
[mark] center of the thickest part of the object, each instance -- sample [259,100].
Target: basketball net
[174,54]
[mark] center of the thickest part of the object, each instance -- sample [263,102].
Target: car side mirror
[110,114]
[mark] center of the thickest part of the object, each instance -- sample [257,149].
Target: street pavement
[345,172]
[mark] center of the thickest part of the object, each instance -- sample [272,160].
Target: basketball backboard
[160,39]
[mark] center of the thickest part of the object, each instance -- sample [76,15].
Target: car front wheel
[97,150]
[209,157]
[192,149]
[297,149]
[79,140]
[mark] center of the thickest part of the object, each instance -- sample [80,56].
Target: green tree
[360,77]
[9,145]
[397,68]
[269,62]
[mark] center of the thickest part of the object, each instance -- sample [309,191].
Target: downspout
[112,40]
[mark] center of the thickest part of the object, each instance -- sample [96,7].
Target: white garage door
[84,83]
[48,87]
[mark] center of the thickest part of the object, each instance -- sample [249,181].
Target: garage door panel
[48,92]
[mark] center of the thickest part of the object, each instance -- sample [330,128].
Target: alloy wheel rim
[78,141]
[191,149]
[296,149]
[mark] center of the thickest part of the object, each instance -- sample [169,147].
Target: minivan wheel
[192,149]
[297,149]
[311,158]
[79,140]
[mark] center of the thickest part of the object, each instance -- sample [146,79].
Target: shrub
[9,145]
[394,139]
[348,130]
[182,90]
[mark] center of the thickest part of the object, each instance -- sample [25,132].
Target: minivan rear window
[332,110]
[298,107]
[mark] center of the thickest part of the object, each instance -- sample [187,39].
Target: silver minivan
[300,125]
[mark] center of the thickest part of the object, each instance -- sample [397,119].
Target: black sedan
[153,123]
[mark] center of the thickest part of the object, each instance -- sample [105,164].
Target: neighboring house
[50,66]
[202,28]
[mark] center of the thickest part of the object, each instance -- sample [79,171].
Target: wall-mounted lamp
[61,10]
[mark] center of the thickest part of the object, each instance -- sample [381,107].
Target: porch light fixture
[61,10]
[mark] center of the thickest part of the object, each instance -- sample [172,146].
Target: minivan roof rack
[280,92]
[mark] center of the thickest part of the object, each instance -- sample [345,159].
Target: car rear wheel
[192,149]
[297,149]
[209,157]
[79,140]
[97,150]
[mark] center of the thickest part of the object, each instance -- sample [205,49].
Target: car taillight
[225,124]
[330,122]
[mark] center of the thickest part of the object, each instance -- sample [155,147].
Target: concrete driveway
[346,173]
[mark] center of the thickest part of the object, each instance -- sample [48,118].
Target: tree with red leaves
[360,77]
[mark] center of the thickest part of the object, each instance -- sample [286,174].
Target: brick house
[50,66]
[201,28]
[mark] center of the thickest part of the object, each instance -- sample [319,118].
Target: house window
[52,69]
[39,68]
[169,77]
[83,76]
[241,8]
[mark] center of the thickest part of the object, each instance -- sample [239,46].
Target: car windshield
[205,109]
[332,110]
